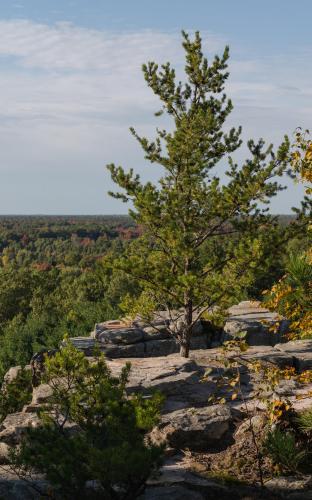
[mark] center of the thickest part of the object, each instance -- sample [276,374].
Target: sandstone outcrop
[190,425]
[194,428]
[118,340]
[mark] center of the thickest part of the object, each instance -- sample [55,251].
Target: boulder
[160,347]
[176,482]
[254,321]
[301,352]
[18,489]
[194,428]
[257,422]
[14,426]
[4,453]
[124,351]
[13,372]
[269,355]
[291,487]
[156,333]
[200,341]
[121,336]
[41,394]
[85,344]
[179,379]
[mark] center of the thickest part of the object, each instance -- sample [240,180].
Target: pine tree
[202,236]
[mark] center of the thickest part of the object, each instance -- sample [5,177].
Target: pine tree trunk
[185,350]
[187,329]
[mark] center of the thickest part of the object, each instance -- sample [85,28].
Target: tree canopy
[202,230]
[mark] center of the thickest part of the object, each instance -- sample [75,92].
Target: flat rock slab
[121,336]
[254,321]
[14,426]
[176,482]
[193,428]
[140,339]
[140,345]
[300,350]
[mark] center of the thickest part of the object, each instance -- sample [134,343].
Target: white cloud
[69,94]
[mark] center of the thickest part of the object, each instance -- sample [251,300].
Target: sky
[71,86]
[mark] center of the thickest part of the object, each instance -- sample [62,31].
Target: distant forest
[56,278]
[63,240]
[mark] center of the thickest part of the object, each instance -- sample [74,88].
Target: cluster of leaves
[291,296]
[92,440]
[302,157]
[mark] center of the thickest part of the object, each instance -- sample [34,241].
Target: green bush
[94,433]
[304,421]
[284,452]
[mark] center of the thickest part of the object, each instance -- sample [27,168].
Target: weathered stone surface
[88,345]
[179,379]
[247,317]
[123,351]
[257,422]
[292,487]
[200,341]
[15,425]
[13,372]
[176,482]
[173,492]
[253,320]
[85,344]
[193,428]
[13,488]
[301,351]
[41,394]
[269,355]
[161,347]
[121,336]
[156,333]
[4,453]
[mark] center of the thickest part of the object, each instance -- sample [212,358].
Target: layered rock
[189,423]
[256,322]
[194,428]
[120,340]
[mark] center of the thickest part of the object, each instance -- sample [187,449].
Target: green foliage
[299,277]
[203,238]
[16,394]
[304,421]
[291,296]
[53,279]
[282,448]
[91,431]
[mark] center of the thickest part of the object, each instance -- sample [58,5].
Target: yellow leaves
[308,152]
[278,410]
[295,156]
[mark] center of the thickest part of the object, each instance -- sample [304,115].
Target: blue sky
[70,87]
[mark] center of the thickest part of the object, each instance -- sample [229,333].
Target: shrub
[91,432]
[292,297]
[304,421]
[282,449]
